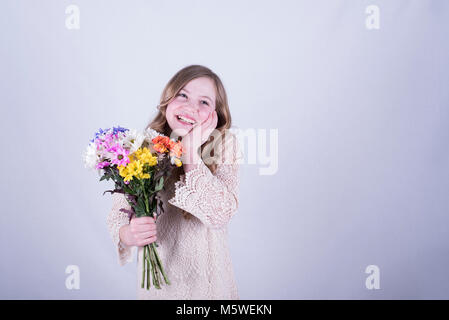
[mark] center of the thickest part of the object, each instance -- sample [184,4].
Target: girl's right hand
[139,232]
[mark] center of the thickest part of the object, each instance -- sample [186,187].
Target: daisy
[120,156]
[133,140]
[90,156]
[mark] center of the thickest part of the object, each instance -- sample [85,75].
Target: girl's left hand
[199,134]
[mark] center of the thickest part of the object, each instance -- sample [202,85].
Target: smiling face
[192,105]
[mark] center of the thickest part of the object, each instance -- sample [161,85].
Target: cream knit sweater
[194,251]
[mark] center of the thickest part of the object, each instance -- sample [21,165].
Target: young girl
[200,197]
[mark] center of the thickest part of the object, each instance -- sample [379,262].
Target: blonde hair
[171,90]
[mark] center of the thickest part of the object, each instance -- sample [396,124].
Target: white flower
[91,156]
[151,134]
[121,137]
[133,140]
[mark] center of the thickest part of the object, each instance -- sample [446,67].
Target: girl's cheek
[204,113]
[171,108]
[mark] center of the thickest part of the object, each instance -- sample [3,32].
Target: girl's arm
[115,220]
[211,198]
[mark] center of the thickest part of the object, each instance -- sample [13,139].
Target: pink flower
[103,164]
[105,142]
[120,155]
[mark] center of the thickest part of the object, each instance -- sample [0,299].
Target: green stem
[148,261]
[159,262]
[155,272]
[145,196]
[148,273]
[153,260]
[143,267]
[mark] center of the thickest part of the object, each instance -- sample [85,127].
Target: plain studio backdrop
[360,108]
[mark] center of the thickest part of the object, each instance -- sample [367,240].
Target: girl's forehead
[201,87]
[200,84]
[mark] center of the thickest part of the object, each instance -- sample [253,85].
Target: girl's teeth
[184,120]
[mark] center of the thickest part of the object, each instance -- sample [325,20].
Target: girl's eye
[185,96]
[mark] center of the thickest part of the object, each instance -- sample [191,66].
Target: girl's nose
[193,107]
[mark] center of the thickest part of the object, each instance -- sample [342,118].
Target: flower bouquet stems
[151,260]
[137,163]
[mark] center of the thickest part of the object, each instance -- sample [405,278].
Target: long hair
[171,90]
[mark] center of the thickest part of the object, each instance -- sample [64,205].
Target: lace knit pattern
[194,251]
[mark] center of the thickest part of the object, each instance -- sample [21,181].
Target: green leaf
[159,185]
[128,189]
[141,205]
[140,212]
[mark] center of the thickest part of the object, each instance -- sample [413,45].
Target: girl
[200,197]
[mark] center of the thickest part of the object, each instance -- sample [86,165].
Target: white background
[362,117]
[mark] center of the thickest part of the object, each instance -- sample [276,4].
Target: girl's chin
[180,131]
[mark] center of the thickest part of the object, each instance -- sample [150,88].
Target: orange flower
[159,148]
[176,149]
[161,144]
[161,139]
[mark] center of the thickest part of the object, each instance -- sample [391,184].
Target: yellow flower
[121,170]
[124,172]
[145,156]
[128,177]
[137,153]
[178,162]
[135,167]
[144,176]
[152,161]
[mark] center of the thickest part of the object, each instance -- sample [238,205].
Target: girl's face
[194,102]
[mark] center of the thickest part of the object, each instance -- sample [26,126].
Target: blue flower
[115,130]
[118,129]
[99,133]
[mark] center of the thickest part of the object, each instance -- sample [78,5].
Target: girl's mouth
[185,121]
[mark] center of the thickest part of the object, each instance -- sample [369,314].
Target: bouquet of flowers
[138,163]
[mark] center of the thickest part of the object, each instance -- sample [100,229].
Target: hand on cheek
[199,134]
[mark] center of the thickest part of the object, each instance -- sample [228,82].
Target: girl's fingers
[215,121]
[212,123]
[143,227]
[199,129]
[206,127]
[208,123]
[149,240]
[144,220]
[142,243]
[203,124]
[209,126]
[146,235]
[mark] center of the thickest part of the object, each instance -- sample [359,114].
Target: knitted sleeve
[115,220]
[212,198]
